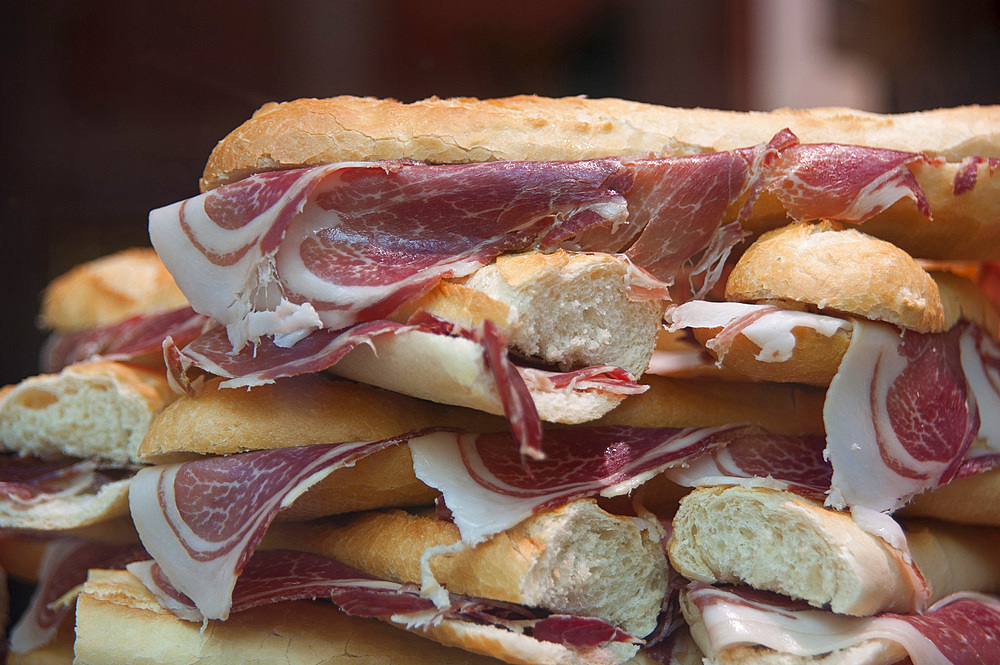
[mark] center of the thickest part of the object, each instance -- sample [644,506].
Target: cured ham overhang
[902,412]
[63,568]
[962,629]
[283,253]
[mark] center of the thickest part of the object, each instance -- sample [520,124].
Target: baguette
[309,132]
[784,543]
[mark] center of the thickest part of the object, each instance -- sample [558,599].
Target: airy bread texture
[307,132]
[575,559]
[572,310]
[98,409]
[840,271]
[560,309]
[780,542]
[108,290]
[119,623]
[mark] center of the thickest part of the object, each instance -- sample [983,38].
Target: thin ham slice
[201,521]
[26,481]
[962,629]
[322,349]
[898,417]
[138,336]
[63,567]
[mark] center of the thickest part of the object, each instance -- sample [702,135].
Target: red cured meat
[135,337]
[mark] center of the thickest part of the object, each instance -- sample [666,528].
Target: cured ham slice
[201,521]
[63,567]
[962,629]
[26,481]
[898,417]
[488,489]
[342,243]
[280,575]
[793,463]
[900,414]
[283,253]
[138,336]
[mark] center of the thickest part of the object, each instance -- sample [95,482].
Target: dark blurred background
[110,108]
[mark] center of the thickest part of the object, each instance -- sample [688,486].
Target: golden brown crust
[971,500]
[837,271]
[814,361]
[314,131]
[293,412]
[816,357]
[309,132]
[706,402]
[108,290]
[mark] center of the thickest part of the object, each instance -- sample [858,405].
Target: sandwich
[493,465]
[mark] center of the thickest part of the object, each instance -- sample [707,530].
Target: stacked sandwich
[412,386]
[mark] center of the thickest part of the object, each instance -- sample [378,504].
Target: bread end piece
[96,409]
[845,271]
[108,290]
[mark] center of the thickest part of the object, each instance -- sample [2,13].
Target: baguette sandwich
[518,264]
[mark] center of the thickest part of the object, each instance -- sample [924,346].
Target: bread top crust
[308,132]
[835,270]
[108,290]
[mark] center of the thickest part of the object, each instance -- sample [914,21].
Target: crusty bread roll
[294,411]
[781,542]
[98,409]
[576,559]
[317,131]
[308,409]
[119,622]
[840,271]
[108,290]
[572,309]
